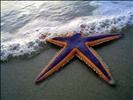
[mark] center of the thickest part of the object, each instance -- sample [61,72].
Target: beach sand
[75,80]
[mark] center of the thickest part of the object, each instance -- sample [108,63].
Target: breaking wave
[22,28]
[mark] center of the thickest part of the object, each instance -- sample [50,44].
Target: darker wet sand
[74,81]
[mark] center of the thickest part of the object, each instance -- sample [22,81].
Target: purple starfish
[80,45]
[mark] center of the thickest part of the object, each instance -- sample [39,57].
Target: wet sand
[74,81]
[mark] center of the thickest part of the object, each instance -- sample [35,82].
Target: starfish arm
[61,41]
[62,57]
[93,60]
[102,38]
[57,42]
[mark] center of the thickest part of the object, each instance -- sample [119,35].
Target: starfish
[80,45]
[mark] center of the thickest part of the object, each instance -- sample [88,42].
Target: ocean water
[23,22]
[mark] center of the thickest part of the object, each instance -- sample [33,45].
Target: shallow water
[23,22]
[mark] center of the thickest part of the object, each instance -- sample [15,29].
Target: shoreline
[73,81]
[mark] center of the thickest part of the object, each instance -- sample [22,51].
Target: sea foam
[107,17]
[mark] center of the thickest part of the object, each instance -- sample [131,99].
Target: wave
[107,17]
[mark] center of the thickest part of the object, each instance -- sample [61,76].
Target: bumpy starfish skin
[79,45]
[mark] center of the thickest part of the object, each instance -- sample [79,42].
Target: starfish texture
[80,45]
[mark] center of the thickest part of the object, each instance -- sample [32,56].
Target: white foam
[108,16]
